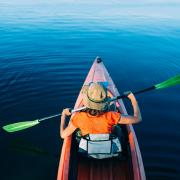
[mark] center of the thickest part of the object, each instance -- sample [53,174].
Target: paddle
[27,124]
[165,84]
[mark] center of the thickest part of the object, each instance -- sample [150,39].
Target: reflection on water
[46,50]
[25,147]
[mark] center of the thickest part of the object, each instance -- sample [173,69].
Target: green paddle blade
[170,82]
[20,126]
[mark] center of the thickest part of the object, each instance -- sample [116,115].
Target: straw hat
[95,96]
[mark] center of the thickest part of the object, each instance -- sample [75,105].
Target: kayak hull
[72,166]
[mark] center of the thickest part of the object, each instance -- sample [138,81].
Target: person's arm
[65,132]
[136,118]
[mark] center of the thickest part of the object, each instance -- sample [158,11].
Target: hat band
[96,101]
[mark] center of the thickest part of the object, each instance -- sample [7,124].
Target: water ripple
[46,51]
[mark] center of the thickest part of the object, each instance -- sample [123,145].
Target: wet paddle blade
[170,82]
[20,126]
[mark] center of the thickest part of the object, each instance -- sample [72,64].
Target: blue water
[46,50]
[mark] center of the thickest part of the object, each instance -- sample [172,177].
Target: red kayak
[73,166]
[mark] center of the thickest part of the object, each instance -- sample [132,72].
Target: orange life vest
[101,124]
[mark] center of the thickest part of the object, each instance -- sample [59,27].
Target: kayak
[72,166]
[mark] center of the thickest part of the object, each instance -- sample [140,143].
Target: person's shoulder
[113,117]
[108,113]
[78,114]
[111,114]
[78,118]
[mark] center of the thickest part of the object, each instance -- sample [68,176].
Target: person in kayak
[96,119]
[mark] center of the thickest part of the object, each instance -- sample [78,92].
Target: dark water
[46,50]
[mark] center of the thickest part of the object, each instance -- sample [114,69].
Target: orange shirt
[95,124]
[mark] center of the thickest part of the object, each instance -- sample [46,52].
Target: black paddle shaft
[137,92]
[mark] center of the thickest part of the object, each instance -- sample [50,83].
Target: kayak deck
[72,166]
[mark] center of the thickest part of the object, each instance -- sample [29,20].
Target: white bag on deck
[100,146]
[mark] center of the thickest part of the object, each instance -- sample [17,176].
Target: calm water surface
[46,51]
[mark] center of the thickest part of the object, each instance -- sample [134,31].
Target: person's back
[101,123]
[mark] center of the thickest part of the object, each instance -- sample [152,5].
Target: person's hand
[66,112]
[129,95]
